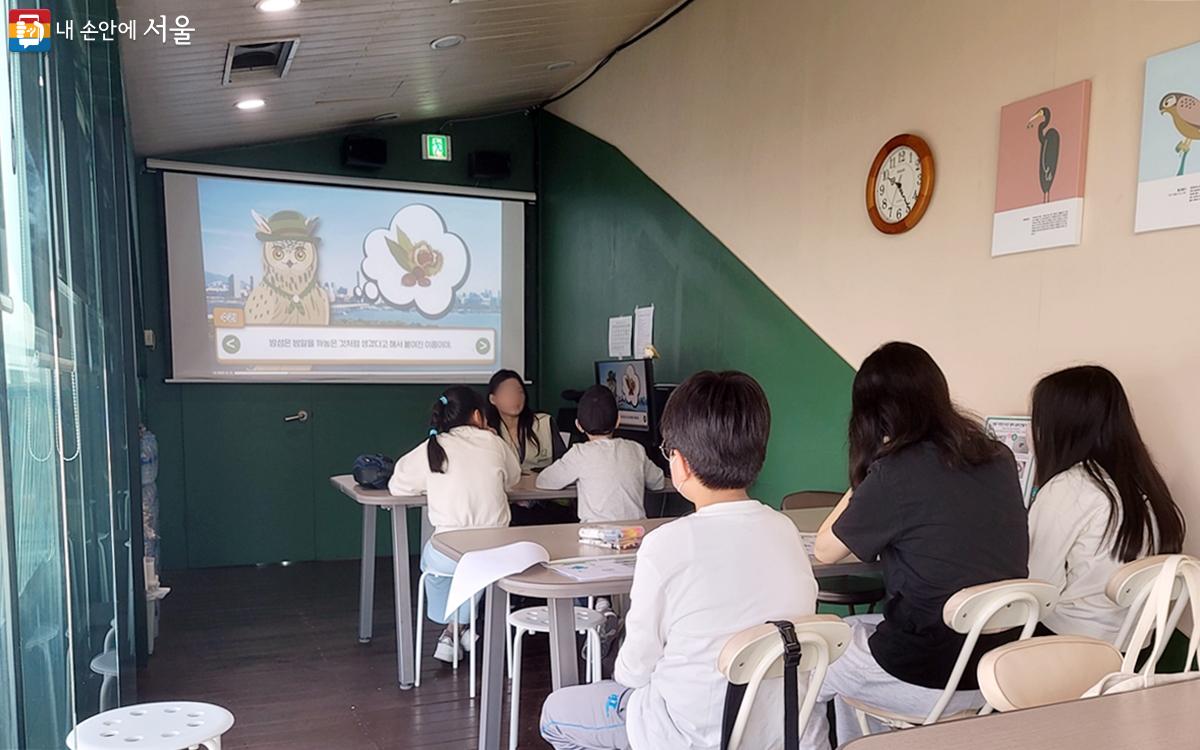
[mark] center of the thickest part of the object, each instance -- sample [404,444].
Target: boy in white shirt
[700,579]
[612,473]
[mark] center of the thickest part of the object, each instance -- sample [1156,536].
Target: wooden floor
[278,646]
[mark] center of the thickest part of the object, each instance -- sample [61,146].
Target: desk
[562,541]
[1163,716]
[371,501]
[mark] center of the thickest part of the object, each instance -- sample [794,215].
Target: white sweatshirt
[1068,547]
[612,476]
[471,493]
[698,581]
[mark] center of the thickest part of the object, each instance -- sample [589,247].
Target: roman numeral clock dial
[900,184]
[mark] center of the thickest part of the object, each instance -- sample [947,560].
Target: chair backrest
[1044,670]
[1161,610]
[991,608]
[810,499]
[1129,587]
[756,654]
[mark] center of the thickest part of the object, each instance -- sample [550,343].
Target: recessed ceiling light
[446,42]
[276,6]
[560,65]
[250,104]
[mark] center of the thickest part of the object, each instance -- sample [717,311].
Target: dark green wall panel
[612,240]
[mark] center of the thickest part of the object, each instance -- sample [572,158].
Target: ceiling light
[446,42]
[250,104]
[560,65]
[276,6]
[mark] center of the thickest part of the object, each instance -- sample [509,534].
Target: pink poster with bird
[1041,170]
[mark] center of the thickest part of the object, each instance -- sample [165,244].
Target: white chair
[105,664]
[756,654]
[537,620]
[454,620]
[1129,588]
[153,726]
[1044,670]
[1159,605]
[976,610]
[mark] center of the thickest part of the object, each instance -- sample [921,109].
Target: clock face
[898,184]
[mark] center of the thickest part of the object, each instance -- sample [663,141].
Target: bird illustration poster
[1168,193]
[1041,171]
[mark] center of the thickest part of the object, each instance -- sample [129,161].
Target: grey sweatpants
[857,675]
[586,717]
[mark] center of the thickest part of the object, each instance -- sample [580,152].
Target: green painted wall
[210,514]
[612,240]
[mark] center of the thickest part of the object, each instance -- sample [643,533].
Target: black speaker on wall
[489,165]
[364,152]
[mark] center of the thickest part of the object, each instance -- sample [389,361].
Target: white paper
[479,569]
[620,329]
[596,569]
[643,329]
[809,540]
[1016,433]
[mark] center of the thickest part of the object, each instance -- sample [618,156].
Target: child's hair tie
[432,430]
[443,400]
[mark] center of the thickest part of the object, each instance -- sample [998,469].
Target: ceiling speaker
[363,152]
[489,165]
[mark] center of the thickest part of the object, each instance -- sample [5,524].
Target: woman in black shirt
[939,503]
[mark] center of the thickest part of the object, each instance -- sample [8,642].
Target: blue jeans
[437,588]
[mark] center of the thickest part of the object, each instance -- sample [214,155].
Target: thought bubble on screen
[416,262]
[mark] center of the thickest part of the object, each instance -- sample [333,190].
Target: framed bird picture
[1168,194]
[1041,171]
[900,184]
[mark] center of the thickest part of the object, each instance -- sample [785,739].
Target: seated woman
[533,437]
[1101,502]
[940,504]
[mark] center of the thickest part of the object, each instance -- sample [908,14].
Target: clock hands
[900,190]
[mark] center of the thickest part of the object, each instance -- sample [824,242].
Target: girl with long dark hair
[464,469]
[1101,501]
[532,435]
[940,504]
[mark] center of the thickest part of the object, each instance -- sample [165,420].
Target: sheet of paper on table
[595,570]
[479,569]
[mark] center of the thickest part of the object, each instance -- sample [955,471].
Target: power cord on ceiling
[622,46]
[595,69]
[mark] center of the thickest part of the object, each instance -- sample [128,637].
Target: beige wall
[761,117]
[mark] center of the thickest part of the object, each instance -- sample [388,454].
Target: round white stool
[537,620]
[153,726]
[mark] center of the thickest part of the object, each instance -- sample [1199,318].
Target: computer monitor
[632,383]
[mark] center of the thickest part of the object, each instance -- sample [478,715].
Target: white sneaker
[445,649]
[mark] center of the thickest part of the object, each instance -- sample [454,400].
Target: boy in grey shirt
[612,473]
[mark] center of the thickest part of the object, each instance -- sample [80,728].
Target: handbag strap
[791,696]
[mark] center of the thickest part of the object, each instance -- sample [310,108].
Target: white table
[1158,717]
[562,542]
[371,501]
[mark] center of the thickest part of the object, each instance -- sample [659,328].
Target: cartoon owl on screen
[289,292]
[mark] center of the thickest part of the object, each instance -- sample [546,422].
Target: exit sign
[435,147]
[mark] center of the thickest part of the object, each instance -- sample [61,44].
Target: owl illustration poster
[1168,193]
[1041,170]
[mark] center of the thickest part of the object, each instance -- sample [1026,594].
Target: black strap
[791,698]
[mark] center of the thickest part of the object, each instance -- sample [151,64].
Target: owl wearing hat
[289,292]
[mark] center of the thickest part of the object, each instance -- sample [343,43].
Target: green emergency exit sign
[435,147]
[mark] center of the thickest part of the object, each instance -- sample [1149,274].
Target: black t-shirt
[937,530]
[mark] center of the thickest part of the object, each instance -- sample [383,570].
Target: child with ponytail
[464,469]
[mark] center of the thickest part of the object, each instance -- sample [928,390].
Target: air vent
[258,61]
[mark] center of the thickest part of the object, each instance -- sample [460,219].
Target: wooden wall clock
[900,184]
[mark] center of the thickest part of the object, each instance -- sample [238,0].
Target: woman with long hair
[1101,501]
[531,434]
[939,503]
